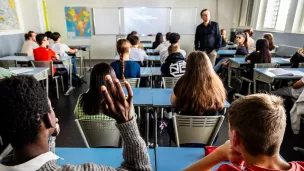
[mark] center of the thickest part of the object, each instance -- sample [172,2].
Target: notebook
[284,72]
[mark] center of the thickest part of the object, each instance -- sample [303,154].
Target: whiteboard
[183,20]
[106,21]
[145,20]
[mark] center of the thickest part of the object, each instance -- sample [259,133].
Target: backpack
[296,59]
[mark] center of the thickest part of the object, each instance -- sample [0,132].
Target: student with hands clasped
[256,129]
[28,120]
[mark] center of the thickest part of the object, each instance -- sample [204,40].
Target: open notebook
[284,72]
[21,70]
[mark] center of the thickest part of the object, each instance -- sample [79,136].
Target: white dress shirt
[138,55]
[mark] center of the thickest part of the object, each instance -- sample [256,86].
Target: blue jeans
[74,65]
[218,66]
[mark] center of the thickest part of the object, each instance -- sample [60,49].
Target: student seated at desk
[297,58]
[62,49]
[49,36]
[256,130]
[174,39]
[270,39]
[30,43]
[293,91]
[251,41]
[242,49]
[88,104]
[205,95]
[28,120]
[45,54]
[137,54]
[175,64]
[164,45]
[158,40]
[224,37]
[134,33]
[124,68]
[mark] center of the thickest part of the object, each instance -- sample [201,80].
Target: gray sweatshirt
[135,154]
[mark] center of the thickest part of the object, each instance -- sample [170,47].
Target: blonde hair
[173,48]
[122,47]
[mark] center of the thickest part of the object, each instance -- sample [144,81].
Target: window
[246,12]
[276,14]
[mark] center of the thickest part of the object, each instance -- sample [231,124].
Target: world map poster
[8,15]
[78,22]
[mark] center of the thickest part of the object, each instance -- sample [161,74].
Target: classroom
[151,85]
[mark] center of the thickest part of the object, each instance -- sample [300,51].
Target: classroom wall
[103,46]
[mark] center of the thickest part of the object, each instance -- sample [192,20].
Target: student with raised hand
[136,53]
[164,45]
[199,92]
[270,39]
[175,64]
[88,104]
[158,40]
[30,43]
[174,39]
[62,49]
[252,147]
[251,41]
[42,53]
[224,37]
[28,126]
[124,68]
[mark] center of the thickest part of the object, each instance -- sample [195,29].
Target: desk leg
[147,126]
[254,82]
[155,129]
[229,77]
[71,85]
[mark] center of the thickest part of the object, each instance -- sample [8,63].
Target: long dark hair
[270,39]
[159,38]
[262,46]
[122,47]
[28,35]
[205,91]
[245,41]
[91,100]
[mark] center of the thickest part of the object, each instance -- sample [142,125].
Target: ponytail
[28,35]
[122,47]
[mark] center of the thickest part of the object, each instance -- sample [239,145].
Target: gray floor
[70,137]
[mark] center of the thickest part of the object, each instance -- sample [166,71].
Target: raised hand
[115,104]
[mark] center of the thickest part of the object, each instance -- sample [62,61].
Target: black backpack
[296,59]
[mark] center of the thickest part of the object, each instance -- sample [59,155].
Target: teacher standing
[208,36]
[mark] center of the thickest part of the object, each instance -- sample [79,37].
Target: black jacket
[171,59]
[208,38]
[296,59]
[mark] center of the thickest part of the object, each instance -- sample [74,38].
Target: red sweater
[295,166]
[44,54]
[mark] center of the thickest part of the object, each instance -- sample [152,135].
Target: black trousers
[63,72]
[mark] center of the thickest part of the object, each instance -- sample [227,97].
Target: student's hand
[115,104]
[228,152]
[57,129]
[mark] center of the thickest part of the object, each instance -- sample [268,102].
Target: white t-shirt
[138,54]
[60,49]
[297,92]
[164,54]
[162,47]
[28,47]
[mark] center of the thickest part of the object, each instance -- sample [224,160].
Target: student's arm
[173,99]
[53,54]
[218,37]
[67,49]
[298,84]
[196,38]
[157,49]
[222,153]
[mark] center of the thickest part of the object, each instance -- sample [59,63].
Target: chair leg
[57,91]
[249,89]
[62,83]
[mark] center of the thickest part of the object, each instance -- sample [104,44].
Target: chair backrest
[266,65]
[45,64]
[99,133]
[8,63]
[196,129]
[20,54]
[169,82]
[301,65]
[134,82]
[286,51]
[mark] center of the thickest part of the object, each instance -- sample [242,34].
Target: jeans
[218,66]
[74,65]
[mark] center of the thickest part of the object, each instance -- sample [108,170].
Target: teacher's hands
[115,104]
